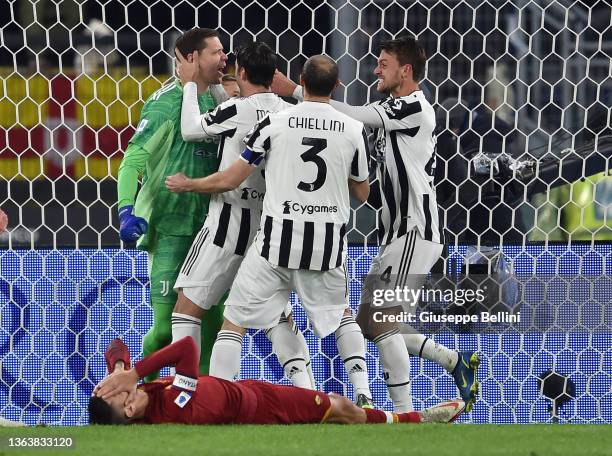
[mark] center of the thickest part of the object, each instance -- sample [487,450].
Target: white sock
[424,347]
[184,325]
[351,347]
[225,357]
[290,353]
[396,370]
[306,353]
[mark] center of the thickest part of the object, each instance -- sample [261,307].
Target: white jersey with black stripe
[311,151]
[234,216]
[405,156]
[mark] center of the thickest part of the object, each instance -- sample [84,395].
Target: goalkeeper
[165,223]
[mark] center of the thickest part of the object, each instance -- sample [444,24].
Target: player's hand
[123,381]
[282,85]
[178,183]
[187,68]
[3,221]
[130,226]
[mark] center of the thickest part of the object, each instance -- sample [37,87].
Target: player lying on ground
[408,226]
[189,399]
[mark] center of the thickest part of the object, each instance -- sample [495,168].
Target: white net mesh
[522,90]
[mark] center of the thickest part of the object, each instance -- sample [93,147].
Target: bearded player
[233,219]
[408,227]
[164,223]
[189,399]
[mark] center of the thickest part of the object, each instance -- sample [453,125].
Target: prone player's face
[212,61]
[389,72]
[118,402]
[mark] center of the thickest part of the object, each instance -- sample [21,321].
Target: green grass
[323,440]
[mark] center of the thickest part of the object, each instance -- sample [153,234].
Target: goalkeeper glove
[130,226]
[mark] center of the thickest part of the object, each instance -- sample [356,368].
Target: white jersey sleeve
[359,165]
[399,114]
[257,142]
[195,126]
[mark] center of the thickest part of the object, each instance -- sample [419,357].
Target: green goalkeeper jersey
[157,150]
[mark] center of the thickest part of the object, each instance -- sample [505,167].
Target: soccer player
[191,399]
[313,155]
[408,226]
[165,223]
[230,85]
[233,219]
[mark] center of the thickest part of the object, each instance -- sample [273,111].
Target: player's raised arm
[284,86]
[194,125]
[181,354]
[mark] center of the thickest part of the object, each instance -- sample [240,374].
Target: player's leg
[343,411]
[461,365]
[164,264]
[227,350]
[205,277]
[256,300]
[392,351]
[303,344]
[211,325]
[351,347]
[325,298]
[290,351]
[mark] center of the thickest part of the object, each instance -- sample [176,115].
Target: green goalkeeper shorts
[165,262]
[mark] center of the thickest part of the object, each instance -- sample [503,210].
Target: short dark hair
[259,61]
[320,75]
[100,412]
[408,50]
[194,40]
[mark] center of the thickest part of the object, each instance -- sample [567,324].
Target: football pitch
[323,440]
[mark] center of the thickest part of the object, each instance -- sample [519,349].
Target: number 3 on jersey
[311,155]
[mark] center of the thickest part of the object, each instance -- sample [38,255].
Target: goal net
[522,92]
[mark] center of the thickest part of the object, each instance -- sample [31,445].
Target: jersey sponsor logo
[205,153]
[182,399]
[251,193]
[211,140]
[295,207]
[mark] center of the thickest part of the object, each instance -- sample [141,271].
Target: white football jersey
[233,217]
[405,155]
[311,151]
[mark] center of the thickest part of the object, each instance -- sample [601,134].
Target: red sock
[410,417]
[375,416]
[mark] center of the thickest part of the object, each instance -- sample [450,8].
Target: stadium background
[71,93]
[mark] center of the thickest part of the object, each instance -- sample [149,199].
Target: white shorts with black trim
[207,272]
[403,263]
[261,290]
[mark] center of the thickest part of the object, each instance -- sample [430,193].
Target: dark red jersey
[211,400]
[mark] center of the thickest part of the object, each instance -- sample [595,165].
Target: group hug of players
[280,176]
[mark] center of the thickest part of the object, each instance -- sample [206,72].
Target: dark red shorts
[278,404]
